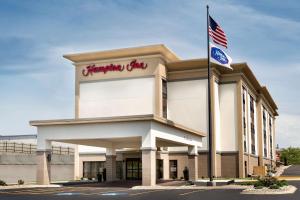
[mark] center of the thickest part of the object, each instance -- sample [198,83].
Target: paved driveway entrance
[293,170]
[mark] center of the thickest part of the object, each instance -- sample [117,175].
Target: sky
[36,82]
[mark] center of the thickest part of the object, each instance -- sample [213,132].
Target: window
[164,98]
[133,169]
[265,132]
[173,169]
[271,138]
[92,168]
[252,125]
[244,120]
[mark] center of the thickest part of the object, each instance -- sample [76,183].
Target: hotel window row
[244,120]
[271,138]
[252,125]
[249,129]
[164,98]
[265,132]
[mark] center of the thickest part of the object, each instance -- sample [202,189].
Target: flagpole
[210,183]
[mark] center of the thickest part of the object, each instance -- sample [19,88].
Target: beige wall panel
[203,165]
[230,165]
[62,172]
[218,165]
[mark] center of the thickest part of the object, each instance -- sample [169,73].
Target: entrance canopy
[145,131]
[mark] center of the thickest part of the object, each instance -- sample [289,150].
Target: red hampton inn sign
[90,69]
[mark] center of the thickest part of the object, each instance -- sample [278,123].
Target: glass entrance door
[133,169]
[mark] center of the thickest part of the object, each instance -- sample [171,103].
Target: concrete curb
[10,187]
[190,187]
[284,190]
[289,178]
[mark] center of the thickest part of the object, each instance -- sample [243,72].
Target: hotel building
[148,108]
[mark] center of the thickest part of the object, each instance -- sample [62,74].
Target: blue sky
[37,83]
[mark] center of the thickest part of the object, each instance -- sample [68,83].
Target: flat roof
[123,53]
[116,119]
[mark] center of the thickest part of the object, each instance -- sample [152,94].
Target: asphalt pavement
[293,170]
[122,193]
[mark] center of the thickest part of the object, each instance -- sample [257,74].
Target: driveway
[293,170]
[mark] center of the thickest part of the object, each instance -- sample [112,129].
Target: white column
[148,159]
[43,159]
[166,164]
[76,163]
[111,164]
[193,162]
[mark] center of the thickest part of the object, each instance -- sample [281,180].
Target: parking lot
[90,192]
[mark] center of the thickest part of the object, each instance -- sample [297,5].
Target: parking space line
[103,192]
[146,192]
[34,191]
[45,191]
[190,192]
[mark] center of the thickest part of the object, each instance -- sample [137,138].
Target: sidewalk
[9,187]
[187,187]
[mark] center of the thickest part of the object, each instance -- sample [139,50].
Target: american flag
[216,33]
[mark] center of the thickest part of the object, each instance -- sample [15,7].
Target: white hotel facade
[148,108]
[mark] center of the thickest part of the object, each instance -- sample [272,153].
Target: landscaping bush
[259,184]
[20,182]
[259,187]
[275,186]
[270,182]
[248,183]
[282,183]
[2,183]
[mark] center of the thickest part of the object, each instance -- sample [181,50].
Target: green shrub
[258,184]
[282,183]
[2,183]
[259,187]
[20,182]
[248,183]
[275,186]
[271,182]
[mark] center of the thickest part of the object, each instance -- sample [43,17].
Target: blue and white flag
[219,57]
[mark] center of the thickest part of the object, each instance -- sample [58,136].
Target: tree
[291,154]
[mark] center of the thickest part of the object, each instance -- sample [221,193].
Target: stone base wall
[14,166]
[12,173]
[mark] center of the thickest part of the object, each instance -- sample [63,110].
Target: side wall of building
[23,166]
